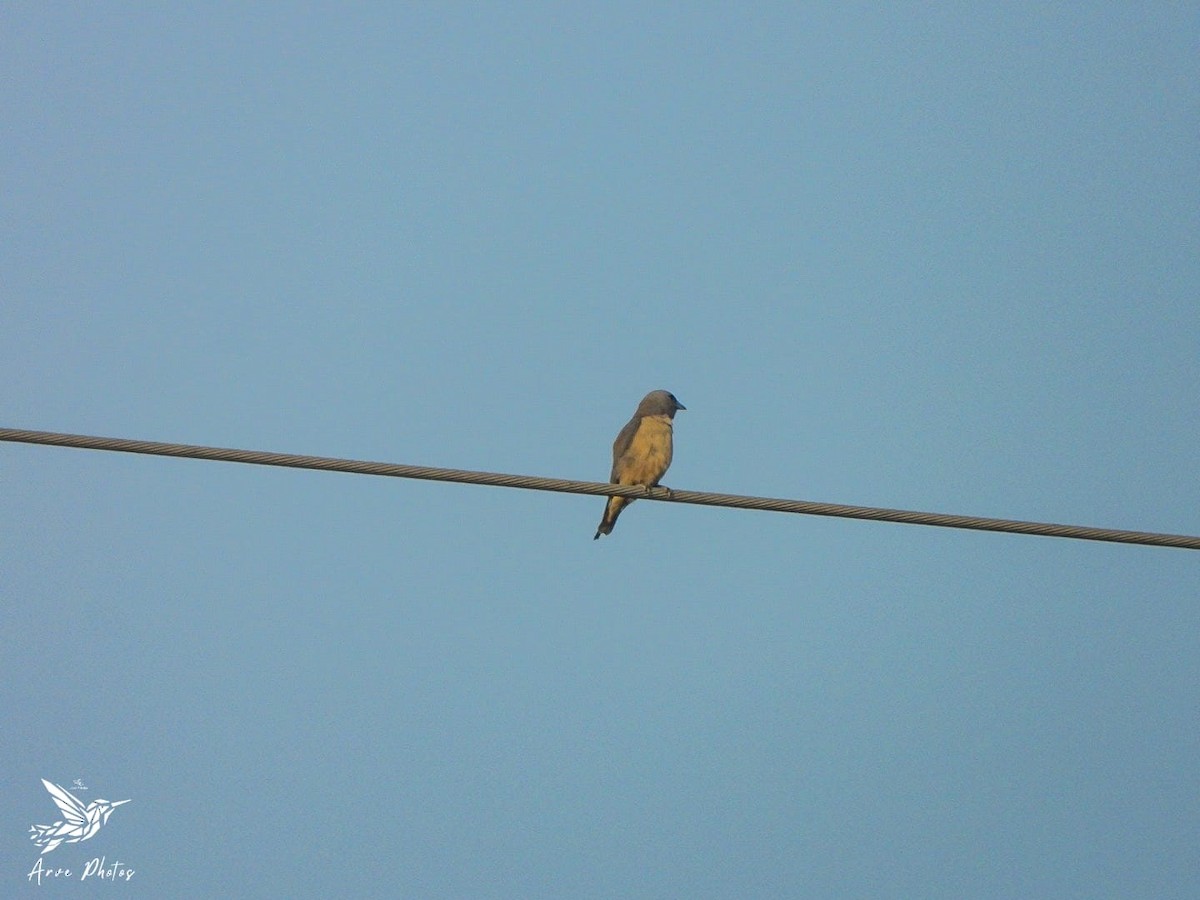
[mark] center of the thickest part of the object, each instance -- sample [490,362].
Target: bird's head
[659,403]
[107,806]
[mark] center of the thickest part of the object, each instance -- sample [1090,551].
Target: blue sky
[933,258]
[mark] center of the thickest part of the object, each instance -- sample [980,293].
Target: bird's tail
[611,510]
[42,835]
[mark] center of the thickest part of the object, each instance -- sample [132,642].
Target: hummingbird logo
[79,822]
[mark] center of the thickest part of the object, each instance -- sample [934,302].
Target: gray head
[659,403]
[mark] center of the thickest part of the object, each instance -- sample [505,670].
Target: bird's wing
[75,812]
[621,444]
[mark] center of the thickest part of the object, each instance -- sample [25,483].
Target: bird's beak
[679,405]
[119,802]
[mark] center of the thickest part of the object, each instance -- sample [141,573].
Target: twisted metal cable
[532,482]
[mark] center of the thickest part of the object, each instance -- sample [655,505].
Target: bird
[79,822]
[641,452]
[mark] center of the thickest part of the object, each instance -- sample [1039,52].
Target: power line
[532,482]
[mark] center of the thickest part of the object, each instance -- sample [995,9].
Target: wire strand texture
[537,483]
